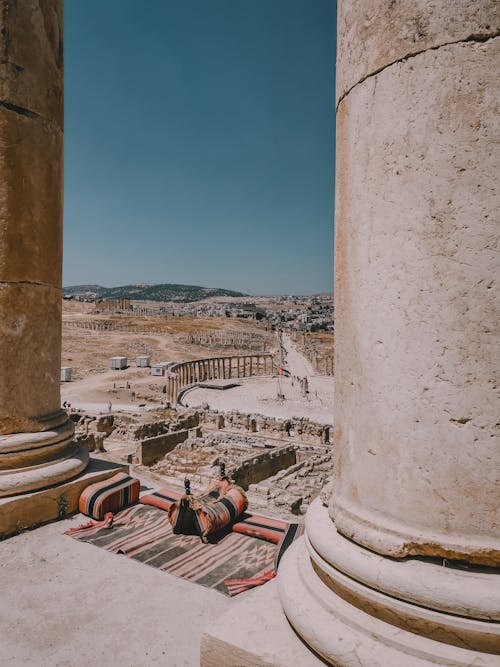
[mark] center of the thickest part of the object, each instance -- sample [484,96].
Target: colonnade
[96,325]
[216,368]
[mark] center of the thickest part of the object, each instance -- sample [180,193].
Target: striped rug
[145,534]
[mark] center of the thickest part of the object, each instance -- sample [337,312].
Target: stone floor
[68,604]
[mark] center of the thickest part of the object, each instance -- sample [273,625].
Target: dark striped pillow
[213,517]
[182,517]
[110,495]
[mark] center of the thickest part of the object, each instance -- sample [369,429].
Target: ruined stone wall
[152,449]
[298,428]
[256,468]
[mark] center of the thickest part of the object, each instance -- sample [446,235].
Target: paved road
[296,362]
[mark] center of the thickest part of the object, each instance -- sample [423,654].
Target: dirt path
[296,362]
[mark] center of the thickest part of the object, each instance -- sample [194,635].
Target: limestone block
[30,354]
[261,638]
[417,308]
[31,67]
[372,34]
[30,199]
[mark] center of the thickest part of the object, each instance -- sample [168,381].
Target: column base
[356,608]
[31,509]
[31,461]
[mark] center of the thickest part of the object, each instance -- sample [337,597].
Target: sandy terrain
[88,353]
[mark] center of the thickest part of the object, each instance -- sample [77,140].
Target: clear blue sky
[199,143]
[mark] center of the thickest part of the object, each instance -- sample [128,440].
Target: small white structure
[118,363]
[143,361]
[157,369]
[65,374]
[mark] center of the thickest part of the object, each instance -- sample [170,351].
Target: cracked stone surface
[373,35]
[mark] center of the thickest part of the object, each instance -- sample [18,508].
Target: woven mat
[145,534]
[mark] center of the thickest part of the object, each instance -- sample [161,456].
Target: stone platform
[31,509]
[255,633]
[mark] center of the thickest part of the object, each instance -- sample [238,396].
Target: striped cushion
[212,517]
[163,498]
[110,495]
[262,527]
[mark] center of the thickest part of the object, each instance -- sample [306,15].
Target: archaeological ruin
[188,373]
[400,561]
[399,565]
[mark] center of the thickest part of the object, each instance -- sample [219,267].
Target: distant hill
[147,292]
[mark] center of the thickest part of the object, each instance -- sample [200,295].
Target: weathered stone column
[393,572]
[36,448]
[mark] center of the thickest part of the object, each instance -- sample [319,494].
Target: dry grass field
[88,352]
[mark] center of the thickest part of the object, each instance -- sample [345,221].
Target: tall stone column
[400,568]
[36,448]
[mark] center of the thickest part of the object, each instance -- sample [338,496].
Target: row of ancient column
[217,368]
[110,326]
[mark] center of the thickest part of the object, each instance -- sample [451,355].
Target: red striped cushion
[163,498]
[110,495]
[212,517]
[262,527]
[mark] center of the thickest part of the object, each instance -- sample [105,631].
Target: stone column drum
[36,448]
[402,567]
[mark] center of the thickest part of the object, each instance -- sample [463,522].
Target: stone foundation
[31,509]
